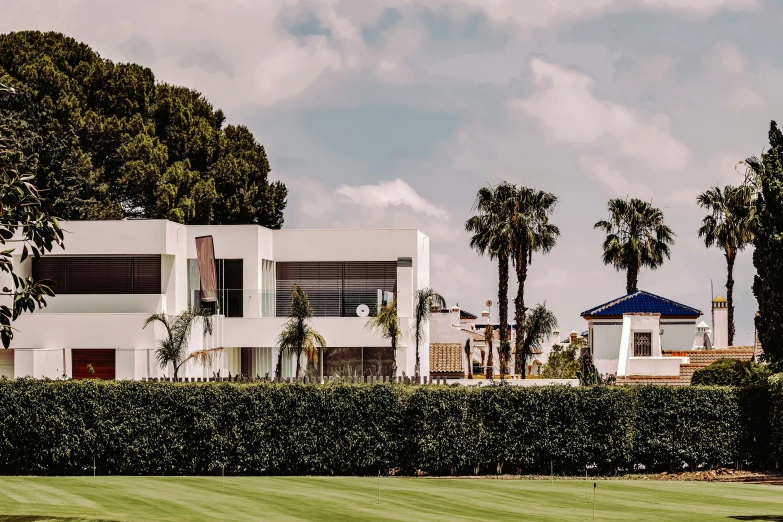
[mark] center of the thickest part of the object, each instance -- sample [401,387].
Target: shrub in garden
[731,372]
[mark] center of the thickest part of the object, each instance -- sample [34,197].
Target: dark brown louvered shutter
[77,274]
[321,281]
[287,274]
[119,280]
[363,279]
[146,275]
[52,269]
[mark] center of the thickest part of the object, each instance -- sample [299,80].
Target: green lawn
[350,498]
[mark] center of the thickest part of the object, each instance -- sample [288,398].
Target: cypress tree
[768,253]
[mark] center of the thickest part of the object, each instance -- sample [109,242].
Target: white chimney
[720,322]
[455,316]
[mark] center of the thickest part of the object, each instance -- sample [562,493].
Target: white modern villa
[113,274]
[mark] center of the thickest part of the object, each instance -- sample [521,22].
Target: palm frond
[202,357]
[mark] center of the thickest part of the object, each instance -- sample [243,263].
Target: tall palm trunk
[279,367]
[467,356]
[632,279]
[731,255]
[490,369]
[394,357]
[503,309]
[519,310]
[417,369]
[298,364]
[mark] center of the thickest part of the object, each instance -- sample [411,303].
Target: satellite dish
[489,303]
[363,310]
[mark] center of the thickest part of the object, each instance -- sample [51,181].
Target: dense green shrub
[731,372]
[58,427]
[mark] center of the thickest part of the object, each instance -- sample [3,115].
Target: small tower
[720,322]
[702,329]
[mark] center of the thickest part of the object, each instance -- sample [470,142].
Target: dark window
[642,344]
[230,287]
[93,364]
[356,362]
[335,289]
[100,275]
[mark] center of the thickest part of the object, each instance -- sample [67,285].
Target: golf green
[354,498]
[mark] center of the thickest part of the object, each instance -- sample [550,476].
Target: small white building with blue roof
[628,335]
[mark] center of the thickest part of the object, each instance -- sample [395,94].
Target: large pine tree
[106,141]
[768,254]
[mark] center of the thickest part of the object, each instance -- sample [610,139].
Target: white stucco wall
[606,335]
[678,334]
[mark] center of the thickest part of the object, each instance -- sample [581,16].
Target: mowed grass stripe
[355,498]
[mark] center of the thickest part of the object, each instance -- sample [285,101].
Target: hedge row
[59,427]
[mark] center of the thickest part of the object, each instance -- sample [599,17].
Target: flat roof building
[113,274]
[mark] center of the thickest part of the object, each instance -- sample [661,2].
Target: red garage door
[101,361]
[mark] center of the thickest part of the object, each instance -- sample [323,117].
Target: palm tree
[387,323]
[298,336]
[636,237]
[174,347]
[730,226]
[539,324]
[490,369]
[492,234]
[424,300]
[467,356]
[532,232]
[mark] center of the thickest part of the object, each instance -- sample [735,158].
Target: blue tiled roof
[642,302]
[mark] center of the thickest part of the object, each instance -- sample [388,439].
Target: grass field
[26,499]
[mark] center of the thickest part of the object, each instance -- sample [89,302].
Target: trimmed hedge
[137,428]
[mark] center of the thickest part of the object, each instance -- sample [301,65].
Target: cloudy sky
[392,113]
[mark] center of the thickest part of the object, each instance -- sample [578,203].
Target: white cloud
[235,54]
[615,181]
[565,103]
[730,58]
[746,99]
[395,193]
[702,6]
[537,13]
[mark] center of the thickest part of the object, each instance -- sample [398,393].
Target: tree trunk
[279,367]
[731,255]
[417,369]
[176,371]
[503,310]
[519,311]
[298,364]
[490,371]
[470,368]
[394,356]
[632,279]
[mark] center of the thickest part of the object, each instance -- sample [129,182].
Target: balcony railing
[236,302]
